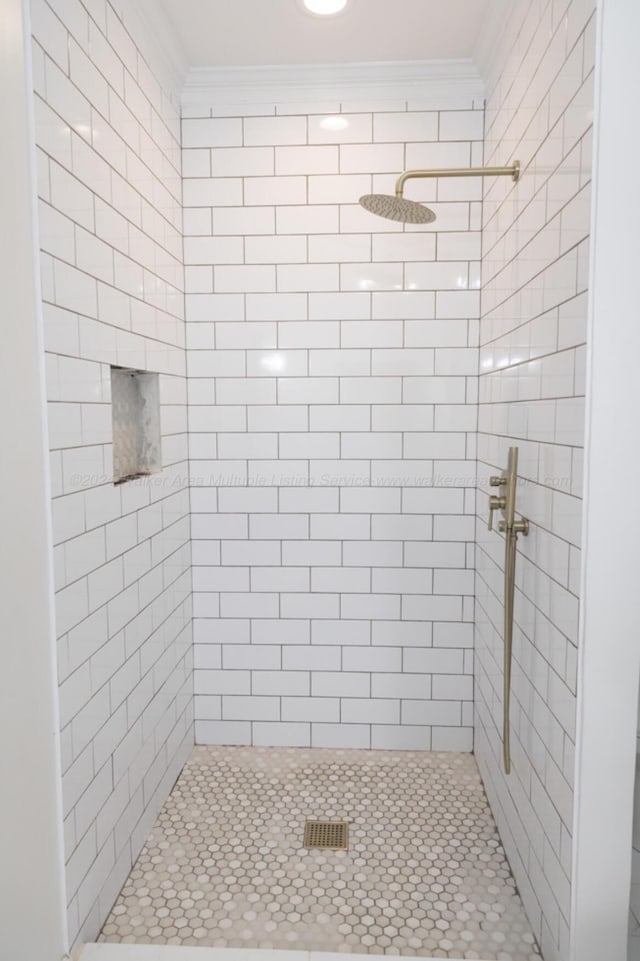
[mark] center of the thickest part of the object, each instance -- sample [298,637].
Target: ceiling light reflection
[334,123]
[273,362]
[324,8]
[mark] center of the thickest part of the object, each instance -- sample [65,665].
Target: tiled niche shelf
[135,404]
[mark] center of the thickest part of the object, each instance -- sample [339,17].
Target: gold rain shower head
[411,212]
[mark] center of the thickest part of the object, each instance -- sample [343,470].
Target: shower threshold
[226,868]
[153,952]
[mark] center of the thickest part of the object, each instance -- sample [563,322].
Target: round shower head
[397,208]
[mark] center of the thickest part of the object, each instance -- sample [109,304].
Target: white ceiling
[233,33]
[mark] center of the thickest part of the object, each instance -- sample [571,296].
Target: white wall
[29,749]
[332,365]
[108,137]
[610,653]
[532,368]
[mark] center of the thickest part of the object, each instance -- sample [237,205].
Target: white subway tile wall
[532,356]
[332,360]
[108,143]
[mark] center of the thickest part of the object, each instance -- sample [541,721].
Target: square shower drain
[331,835]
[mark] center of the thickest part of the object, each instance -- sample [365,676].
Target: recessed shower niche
[135,405]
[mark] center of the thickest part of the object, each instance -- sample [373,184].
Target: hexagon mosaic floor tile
[425,873]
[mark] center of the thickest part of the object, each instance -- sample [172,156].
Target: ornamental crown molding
[439,81]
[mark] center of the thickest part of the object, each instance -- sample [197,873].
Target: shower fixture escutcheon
[510,527]
[410,211]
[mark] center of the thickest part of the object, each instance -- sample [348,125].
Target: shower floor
[425,873]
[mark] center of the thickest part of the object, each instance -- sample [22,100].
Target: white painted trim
[385,81]
[609,665]
[32,907]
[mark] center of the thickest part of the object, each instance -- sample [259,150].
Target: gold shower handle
[495,504]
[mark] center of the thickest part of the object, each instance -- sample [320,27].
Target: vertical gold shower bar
[509,591]
[511,528]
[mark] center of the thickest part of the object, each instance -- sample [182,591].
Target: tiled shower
[333,416]
[335,391]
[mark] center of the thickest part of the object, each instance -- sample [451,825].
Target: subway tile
[279,526]
[252,708]
[339,306]
[244,278]
[311,658]
[223,732]
[340,684]
[275,191]
[242,161]
[307,220]
[281,632]
[405,686]
[246,390]
[338,579]
[212,192]
[379,607]
[431,608]
[306,160]
[286,362]
[340,128]
[306,277]
[308,390]
[376,276]
[339,632]
[319,709]
[375,710]
[213,250]
[381,334]
[280,307]
[370,390]
[244,221]
[221,682]
[245,336]
[271,417]
[396,580]
[337,248]
[334,525]
[308,334]
[402,305]
[281,683]
[273,734]
[375,158]
[311,553]
[461,124]
[275,130]
[452,738]
[209,133]
[406,127]
[275,250]
[404,247]
[248,605]
[338,417]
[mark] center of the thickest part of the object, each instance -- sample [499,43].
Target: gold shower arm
[513,172]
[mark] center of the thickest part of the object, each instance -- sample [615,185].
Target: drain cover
[332,835]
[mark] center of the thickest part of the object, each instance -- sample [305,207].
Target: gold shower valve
[498,481]
[518,527]
[496,504]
